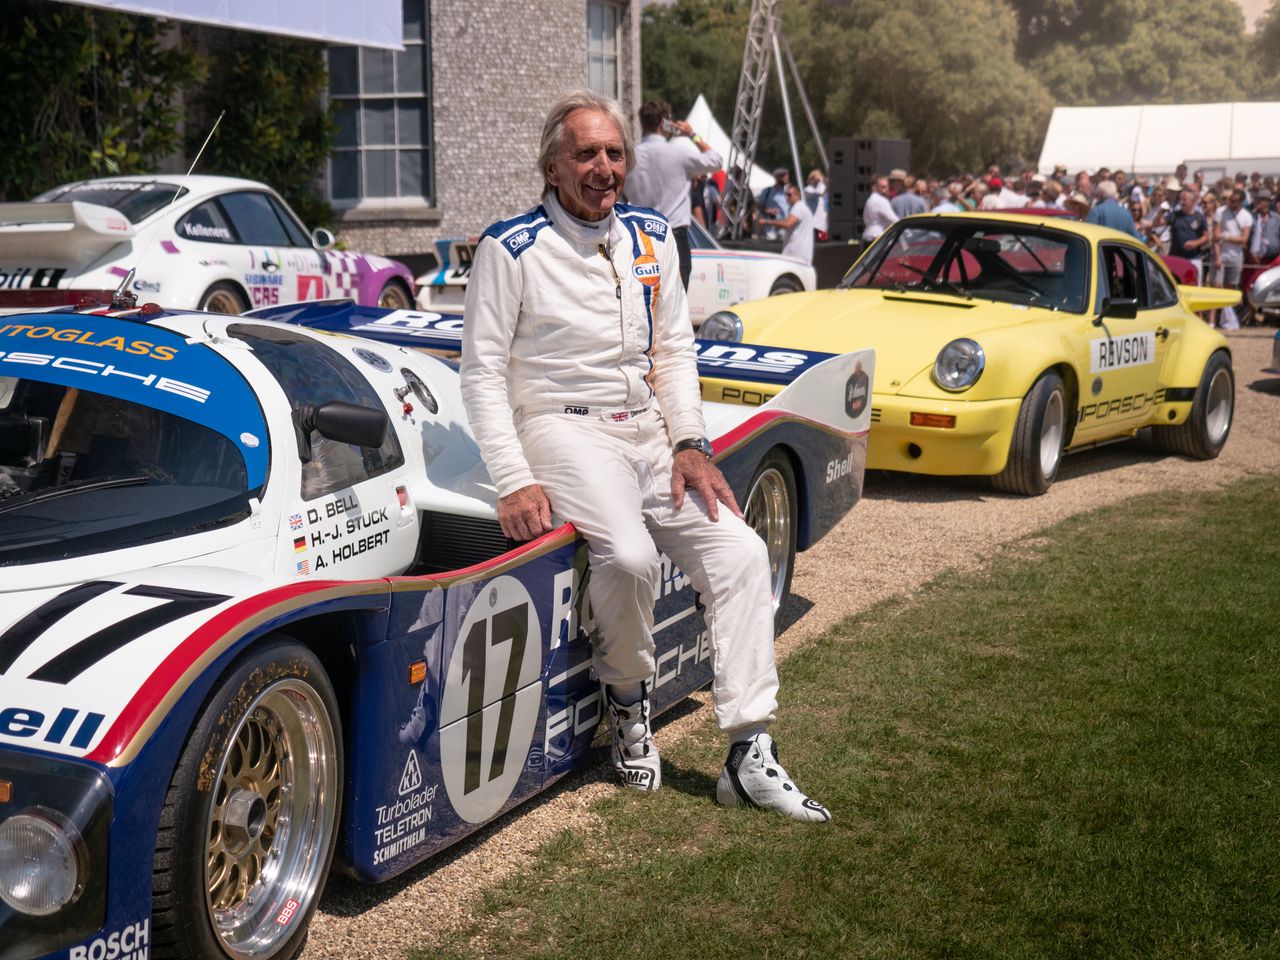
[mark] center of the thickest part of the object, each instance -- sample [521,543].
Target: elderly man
[579,379]
[1108,213]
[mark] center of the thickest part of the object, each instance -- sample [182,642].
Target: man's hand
[692,471]
[525,514]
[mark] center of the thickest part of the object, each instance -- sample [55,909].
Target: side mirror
[1120,308]
[322,239]
[340,421]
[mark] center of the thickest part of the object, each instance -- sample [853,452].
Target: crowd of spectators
[1223,227]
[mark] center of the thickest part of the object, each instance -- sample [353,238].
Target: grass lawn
[1073,753]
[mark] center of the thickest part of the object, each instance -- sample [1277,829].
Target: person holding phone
[668,156]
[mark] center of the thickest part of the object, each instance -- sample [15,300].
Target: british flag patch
[295,521]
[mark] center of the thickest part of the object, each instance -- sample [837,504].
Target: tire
[771,510]
[250,817]
[786,284]
[1035,452]
[1204,433]
[223,297]
[394,296]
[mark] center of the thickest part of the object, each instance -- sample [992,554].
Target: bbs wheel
[249,821]
[1204,433]
[786,284]
[771,512]
[223,297]
[394,296]
[1035,452]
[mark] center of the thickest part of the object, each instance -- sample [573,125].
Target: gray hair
[553,129]
[1106,189]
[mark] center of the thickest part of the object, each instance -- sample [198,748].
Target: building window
[604,29]
[382,154]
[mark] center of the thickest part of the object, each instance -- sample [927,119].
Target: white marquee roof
[1156,138]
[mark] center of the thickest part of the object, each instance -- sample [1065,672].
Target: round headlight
[959,365]
[721,325]
[39,868]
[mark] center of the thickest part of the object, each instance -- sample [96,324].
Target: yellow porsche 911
[1003,341]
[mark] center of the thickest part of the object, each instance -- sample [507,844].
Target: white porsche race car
[256,613]
[223,245]
[720,277]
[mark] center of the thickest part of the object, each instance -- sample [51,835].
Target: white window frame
[598,48]
[364,202]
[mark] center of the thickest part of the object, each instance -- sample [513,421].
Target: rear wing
[764,370]
[70,232]
[1196,299]
[445,287]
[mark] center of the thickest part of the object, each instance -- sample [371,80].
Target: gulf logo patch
[647,270]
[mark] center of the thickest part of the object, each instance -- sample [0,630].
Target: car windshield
[137,200]
[115,433]
[1028,264]
[82,472]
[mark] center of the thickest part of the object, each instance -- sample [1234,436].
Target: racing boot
[752,777]
[634,754]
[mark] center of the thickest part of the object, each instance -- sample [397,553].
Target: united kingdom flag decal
[295,521]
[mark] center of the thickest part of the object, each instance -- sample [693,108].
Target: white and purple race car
[258,621]
[197,243]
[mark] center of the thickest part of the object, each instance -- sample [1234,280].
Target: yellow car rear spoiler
[1196,299]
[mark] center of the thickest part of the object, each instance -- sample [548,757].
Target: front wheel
[1204,433]
[249,821]
[1035,452]
[223,297]
[771,511]
[394,296]
[785,284]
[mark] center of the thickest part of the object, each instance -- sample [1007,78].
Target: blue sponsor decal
[751,361]
[143,364]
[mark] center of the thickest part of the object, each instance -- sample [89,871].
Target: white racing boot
[752,777]
[634,754]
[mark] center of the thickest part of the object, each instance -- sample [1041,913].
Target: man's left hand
[692,471]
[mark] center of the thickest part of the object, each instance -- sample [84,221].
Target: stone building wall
[496,67]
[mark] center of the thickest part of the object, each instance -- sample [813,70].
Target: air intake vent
[450,542]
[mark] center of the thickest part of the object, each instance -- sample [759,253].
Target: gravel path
[907,530]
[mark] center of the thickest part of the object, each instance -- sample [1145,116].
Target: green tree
[275,128]
[1266,53]
[1117,52]
[89,93]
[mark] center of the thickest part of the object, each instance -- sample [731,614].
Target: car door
[1120,374]
[275,258]
[345,521]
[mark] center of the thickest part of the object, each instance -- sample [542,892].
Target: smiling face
[590,167]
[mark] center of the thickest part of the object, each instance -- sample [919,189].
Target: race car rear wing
[59,234]
[719,364]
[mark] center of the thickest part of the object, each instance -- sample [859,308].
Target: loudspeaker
[855,164]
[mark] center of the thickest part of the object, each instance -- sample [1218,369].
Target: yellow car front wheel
[1036,449]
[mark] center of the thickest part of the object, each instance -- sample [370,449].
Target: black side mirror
[1120,308]
[340,421]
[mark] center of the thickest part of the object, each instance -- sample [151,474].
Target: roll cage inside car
[1011,262]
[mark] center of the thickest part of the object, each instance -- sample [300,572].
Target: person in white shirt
[877,212]
[798,226]
[664,167]
[815,197]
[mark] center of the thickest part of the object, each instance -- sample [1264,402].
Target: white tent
[1218,137]
[704,124]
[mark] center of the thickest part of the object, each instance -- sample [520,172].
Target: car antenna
[123,299]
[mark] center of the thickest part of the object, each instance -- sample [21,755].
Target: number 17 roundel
[491,699]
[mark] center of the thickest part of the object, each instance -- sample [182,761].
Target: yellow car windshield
[1031,265]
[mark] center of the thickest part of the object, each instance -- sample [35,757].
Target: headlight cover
[959,365]
[39,862]
[721,325]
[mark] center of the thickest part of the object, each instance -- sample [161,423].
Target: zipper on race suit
[622,323]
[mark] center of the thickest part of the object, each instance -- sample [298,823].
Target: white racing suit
[579,374]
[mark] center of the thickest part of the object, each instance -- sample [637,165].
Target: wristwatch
[701,444]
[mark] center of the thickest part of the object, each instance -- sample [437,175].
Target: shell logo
[647,270]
